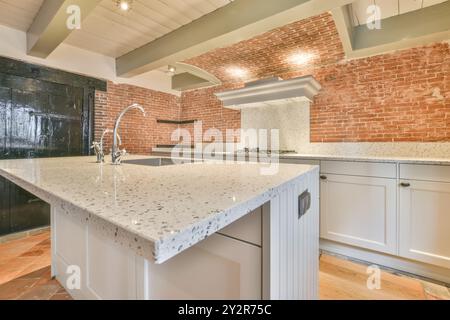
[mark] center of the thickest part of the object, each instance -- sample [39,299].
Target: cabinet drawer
[425,172]
[365,169]
[247,229]
[216,268]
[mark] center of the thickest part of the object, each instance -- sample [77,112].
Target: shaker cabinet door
[425,222]
[359,211]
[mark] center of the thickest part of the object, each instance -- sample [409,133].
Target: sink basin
[152,162]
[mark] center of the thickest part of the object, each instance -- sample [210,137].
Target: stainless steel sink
[152,162]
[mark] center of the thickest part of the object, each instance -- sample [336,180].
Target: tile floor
[37,285]
[25,274]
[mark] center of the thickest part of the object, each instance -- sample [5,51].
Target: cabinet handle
[405,184]
[323,177]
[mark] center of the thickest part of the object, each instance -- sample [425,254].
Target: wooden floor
[25,274]
[25,270]
[23,256]
[346,280]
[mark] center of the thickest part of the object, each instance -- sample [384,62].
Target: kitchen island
[205,230]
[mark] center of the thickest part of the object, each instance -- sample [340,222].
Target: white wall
[72,59]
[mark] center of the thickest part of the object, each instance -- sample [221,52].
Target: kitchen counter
[163,209]
[340,157]
[390,159]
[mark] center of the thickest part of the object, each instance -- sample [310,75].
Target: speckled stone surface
[163,209]
[390,159]
[431,160]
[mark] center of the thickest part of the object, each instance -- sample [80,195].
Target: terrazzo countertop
[340,157]
[171,207]
[391,159]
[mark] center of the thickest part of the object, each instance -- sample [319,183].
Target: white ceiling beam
[343,19]
[197,72]
[240,20]
[49,28]
[411,29]
[187,81]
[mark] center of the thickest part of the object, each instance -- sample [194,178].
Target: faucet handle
[98,149]
[119,155]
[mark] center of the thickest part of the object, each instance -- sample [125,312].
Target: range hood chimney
[260,93]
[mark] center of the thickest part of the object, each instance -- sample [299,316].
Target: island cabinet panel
[425,215]
[89,263]
[69,252]
[359,211]
[291,242]
[219,267]
[111,269]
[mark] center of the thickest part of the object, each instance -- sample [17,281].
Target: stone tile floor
[37,285]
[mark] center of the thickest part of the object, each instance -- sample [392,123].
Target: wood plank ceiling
[389,8]
[19,14]
[110,32]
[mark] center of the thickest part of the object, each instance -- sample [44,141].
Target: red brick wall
[385,98]
[203,105]
[139,134]
[382,98]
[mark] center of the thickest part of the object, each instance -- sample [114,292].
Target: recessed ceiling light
[237,72]
[301,58]
[124,5]
[171,70]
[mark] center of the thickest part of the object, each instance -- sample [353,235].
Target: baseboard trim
[23,234]
[389,263]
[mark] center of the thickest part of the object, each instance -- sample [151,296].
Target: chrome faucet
[116,153]
[98,146]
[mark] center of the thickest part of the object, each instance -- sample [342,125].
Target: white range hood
[270,92]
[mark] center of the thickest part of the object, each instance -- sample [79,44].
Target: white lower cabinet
[359,211]
[425,221]
[217,268]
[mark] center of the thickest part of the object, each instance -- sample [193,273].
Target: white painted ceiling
[389,8]
[110,32]
[19,14]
